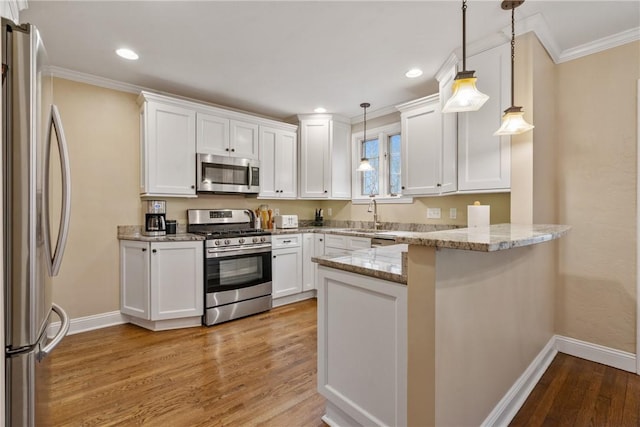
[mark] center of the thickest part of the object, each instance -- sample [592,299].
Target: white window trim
[356,147]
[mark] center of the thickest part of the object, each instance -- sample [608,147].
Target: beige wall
[597,137]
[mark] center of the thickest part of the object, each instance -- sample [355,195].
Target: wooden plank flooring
[576,392]
[257,371]
[261,371]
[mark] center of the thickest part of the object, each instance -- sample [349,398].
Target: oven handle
[225,252]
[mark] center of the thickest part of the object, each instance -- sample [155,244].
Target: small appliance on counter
[319,220]
[154,212]
[286,221]
[172,224]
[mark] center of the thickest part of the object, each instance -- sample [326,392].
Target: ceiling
[284,58]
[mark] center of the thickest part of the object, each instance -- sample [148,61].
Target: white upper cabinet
[484,160]
[325,157]
[225,137]
[278,164]
[428,152]
[167,148]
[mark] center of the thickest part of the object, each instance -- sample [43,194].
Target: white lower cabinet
[286,265]
[336,244]
[362,349]
[161,283]
[312,246]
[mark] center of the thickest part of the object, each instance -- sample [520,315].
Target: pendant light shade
[513,122]
[466,96]
[364,166]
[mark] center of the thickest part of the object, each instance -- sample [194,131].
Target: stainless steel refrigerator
[35,188]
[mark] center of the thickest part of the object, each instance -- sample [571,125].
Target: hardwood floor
[257,371]
[576,392]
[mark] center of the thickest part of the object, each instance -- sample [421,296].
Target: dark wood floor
[261,371]
[257,371]
[576,392]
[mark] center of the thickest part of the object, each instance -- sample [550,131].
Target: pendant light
[513,122]
[364,166]
[466,96]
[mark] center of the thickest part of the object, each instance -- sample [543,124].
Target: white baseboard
[277,302]
[89,323]
[513,400]
[596,353]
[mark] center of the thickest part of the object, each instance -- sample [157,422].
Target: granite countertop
[385,262]
[486,239]
[134,232]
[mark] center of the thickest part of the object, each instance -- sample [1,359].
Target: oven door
[229,270]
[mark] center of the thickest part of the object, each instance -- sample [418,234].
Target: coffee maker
[154,212]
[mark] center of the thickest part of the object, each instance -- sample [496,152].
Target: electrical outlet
[453,213]
[276,211]
[433,213]
[329,211]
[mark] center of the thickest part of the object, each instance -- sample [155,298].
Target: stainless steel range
[237,263]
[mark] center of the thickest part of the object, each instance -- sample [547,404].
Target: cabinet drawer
[355,243]
[286,241]
[335,241]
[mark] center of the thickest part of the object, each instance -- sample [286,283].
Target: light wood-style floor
[256,371]
[261,371]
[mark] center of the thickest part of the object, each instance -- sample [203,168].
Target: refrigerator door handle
[62,332]
[56,259]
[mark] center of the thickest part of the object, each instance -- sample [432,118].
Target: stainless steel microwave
[221,174]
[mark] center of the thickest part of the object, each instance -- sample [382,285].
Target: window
[383,149]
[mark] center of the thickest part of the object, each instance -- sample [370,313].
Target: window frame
[383,134]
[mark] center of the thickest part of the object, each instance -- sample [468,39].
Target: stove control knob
[254,240]
[217,242]
[241,241]
[262,239]
[226,242]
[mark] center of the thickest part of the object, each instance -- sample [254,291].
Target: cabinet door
[340,160]
[318,250]
[268,169]
[134,278]
[287,272]
[422,150]
[170,154]
[213,135]
[308,271]
[177,280]
[315,170]
[449,179]
[286,165]
[484,160]
[244,139]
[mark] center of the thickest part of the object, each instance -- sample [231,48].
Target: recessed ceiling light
[413,73]
[320,110]
[127,54]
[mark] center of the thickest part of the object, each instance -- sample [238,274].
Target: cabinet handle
[403,187]
[233,150]
[274,257]
[226,149]
[193,186]
[144,249]
[325,191]
[286,241]
[154,251]
[321,240]
[438,185]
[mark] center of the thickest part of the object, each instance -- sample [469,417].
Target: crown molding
[374,114]
[539,27]
[94,80]
[445,69]
[604,43]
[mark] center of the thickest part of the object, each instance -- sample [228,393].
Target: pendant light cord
[513,51]
[464,35]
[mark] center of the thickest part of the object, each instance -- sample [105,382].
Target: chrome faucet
[373,207]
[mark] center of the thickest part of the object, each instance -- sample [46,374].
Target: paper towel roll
[478,216]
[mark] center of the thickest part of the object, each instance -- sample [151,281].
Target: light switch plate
[433,213]
[276,211]
[329,211]
[453,213]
